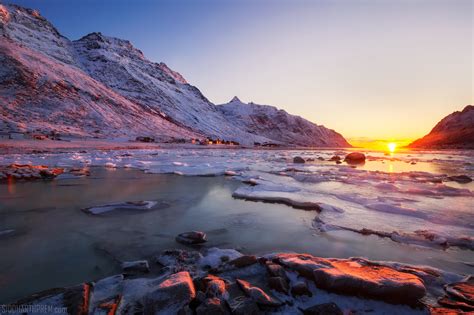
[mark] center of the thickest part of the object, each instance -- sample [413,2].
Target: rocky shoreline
[225,281]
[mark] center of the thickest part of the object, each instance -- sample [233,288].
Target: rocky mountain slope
[280,126]
[453,131]
[104,87]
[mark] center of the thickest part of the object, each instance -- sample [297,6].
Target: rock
[323,309]
[135,267]
[278,284]
[243,261]
[77,299]
[298,159]
[191,238]
[300,288]
[244,306]
[257,294]
[355,158]
[357,277]
[214,286]
[335,158]
[212,306]
[275,270]
[460,295]
[338,162]
[179,260]
[448,301]
[320,158]
[462,179]
[377,282]
[172,294]
[214,257]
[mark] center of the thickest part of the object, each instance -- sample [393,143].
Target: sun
[392,146]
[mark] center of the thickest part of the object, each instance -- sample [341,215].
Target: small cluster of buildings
[210,141]
[207,141]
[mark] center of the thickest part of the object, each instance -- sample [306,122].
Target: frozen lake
[48,241]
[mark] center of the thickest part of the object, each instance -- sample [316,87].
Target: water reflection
[69,246]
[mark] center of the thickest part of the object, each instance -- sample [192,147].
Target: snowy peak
[279,126]
[29,28]
[453,131]
[235,99]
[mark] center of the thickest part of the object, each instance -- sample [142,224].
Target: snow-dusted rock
[133,267]
[171,295]
[357,277]
[243,261]
[257,294]
[216,256]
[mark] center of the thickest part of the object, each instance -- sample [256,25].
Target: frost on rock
[349,285]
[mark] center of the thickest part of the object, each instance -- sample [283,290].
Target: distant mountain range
[455,131]
[103,87]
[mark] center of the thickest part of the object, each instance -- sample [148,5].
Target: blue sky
[367,68]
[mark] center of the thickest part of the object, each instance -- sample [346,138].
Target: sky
[370,69]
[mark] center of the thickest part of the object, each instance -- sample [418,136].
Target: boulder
[372,281]
[191,238]
[214,286]
[323,309]
[298,159]
[243,261]
[460,295]
[335,158]
[257,294]
[135,267]
[278,284]
[357,277]
[300,288]
[172,294]
[212,306]
[275,270]
[355,158]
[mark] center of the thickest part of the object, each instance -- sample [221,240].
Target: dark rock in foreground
[184,286]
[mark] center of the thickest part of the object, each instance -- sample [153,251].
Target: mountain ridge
[455,130]
[159,100]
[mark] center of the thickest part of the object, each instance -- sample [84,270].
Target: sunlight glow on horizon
[392,146]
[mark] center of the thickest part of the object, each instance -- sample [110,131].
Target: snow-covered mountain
[279,126]
[104,87]
[453,131]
